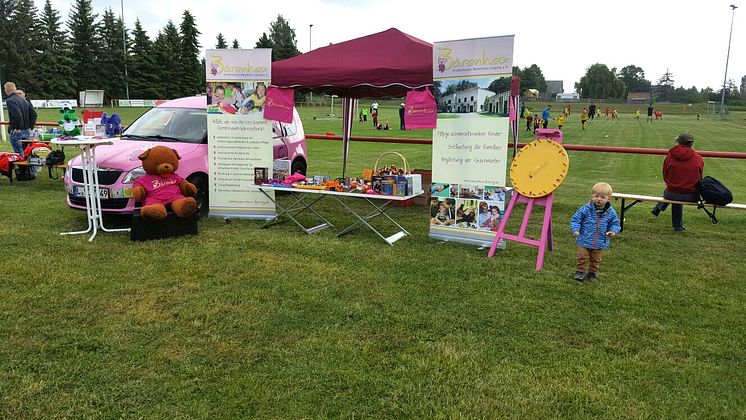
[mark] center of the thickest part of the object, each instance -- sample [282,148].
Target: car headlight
[133,175]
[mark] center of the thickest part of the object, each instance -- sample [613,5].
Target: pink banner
[512,110]
[279,104]
[421,111]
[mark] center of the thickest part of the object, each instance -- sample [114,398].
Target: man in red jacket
[682,170]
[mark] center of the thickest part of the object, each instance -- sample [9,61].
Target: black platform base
[171,227]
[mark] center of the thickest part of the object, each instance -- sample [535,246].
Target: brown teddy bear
[162,186]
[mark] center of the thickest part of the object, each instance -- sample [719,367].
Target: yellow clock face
[539,168]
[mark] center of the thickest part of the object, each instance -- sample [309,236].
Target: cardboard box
[414,181]
[402,186]
[377,183]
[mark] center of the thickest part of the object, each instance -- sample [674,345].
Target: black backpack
[712,191]
[55,157]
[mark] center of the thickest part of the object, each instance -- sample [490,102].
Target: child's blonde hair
[602,188]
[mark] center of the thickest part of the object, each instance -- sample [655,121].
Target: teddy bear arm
[138,193]
[187,188]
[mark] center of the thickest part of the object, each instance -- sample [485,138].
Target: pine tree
[235,44]
[85,47]
[144,80]
[190,54]
[167,47]
[264,41]
[111,61]
[221,42]
[284,44]
[5,8]
[21,46]
[55,72]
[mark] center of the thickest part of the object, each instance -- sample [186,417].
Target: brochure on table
[239,137]
[470,143]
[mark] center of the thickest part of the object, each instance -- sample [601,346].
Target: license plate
[80,192]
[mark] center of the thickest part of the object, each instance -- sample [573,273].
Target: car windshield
[186,125]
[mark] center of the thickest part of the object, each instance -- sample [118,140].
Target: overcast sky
[689,37]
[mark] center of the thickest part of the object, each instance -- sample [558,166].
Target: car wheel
[203,199]
[298,166]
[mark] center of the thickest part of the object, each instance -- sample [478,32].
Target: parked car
[180,124]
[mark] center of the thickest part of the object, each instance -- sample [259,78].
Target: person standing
[401,116]
[374,107]
[592,225]
[545,116]
[682,170]
[583,118]
[592,110]
[21,117]
[650,112]
[364,113]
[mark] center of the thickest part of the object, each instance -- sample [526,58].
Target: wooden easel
[545,240]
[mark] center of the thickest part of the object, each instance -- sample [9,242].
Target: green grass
[245,322]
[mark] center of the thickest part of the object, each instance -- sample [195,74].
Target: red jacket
[682,170]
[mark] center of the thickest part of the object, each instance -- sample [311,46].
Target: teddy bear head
[160,160]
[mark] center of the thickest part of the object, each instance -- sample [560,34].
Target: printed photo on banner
[494,193]
[440,190]
[236,97]
[468,98]
[466,214]
[442,211]
[489,215]
[471,191]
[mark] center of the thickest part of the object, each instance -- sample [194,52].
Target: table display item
[280,169]
[386,170]
[162,186]
[68,121]
[261,175]
[112,125]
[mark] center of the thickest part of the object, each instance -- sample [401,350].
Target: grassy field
[245,322]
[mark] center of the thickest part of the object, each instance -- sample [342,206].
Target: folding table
[303,201]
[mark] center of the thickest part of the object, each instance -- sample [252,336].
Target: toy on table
[112,124]
[69,122]
[162,186]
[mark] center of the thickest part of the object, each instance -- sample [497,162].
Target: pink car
[180,124]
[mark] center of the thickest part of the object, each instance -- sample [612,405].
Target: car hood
[123,154]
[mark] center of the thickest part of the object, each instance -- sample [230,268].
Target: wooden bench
[648,198]
[25,163]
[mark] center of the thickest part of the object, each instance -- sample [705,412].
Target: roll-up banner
[468,191]
[239,138]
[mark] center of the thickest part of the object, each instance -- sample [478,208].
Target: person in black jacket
[401,117]
[21,116]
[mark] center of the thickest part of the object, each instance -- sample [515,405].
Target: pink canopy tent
[385,64]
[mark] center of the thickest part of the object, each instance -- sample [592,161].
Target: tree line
[49,58]
[602,82]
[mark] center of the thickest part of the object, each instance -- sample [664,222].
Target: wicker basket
[406,168]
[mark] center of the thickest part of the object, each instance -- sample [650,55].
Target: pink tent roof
[385,64]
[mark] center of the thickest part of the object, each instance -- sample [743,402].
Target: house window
[472,98]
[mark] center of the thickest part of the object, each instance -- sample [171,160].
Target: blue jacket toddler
[593,223]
